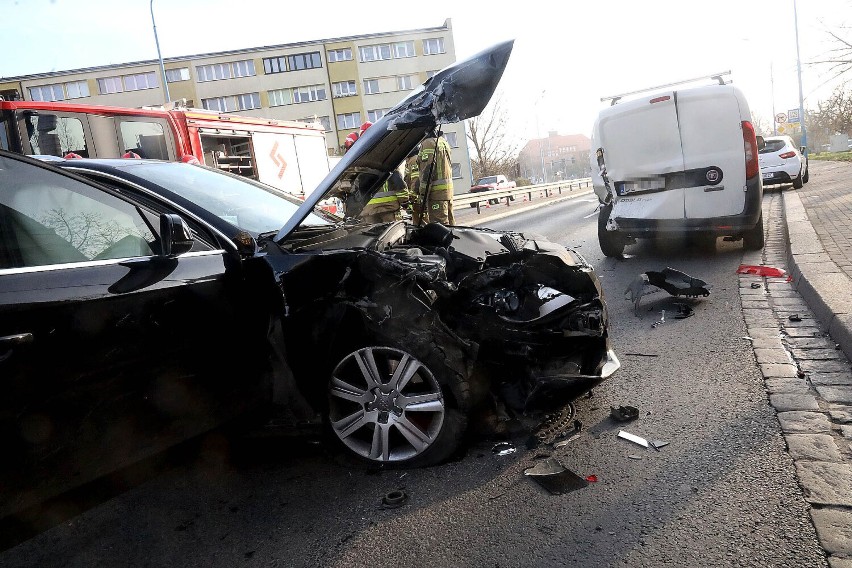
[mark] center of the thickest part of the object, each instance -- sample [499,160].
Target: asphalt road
[722,493]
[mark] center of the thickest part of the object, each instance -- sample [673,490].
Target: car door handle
[10,341]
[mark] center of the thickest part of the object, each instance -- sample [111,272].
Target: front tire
[753,239]
[611,243]
[386,407]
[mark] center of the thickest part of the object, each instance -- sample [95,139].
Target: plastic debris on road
[794,317]
[633,438]
[624,413]
[394,499]
[504,448]
[761,270]
[673,281]
[592,478]
[555,478]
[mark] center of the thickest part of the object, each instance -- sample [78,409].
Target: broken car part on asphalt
[555,478]
[624,413]
[761,270]
[672,281]
[503,448]
[394,499]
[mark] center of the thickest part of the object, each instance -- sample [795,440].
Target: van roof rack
[717,76]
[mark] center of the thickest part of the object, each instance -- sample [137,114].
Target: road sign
[793,115]
[780,118]
[780,128]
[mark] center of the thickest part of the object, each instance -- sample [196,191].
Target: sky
[567,54]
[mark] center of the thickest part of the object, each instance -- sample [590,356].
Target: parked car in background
[144,302]
[782,162]
[699,179]
[492,183]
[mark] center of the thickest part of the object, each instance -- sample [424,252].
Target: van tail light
[786,155]
[750,146]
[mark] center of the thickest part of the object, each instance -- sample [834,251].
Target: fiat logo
[713,175]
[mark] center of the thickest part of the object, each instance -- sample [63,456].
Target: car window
[487,180]
[56,135]
[772,146]
[246,204]
[48,218]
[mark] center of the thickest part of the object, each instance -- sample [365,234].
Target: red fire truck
[291,156]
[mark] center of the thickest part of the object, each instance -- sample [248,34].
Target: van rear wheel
[611,243]
[753,238]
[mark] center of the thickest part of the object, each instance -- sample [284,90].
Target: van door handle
[11,341]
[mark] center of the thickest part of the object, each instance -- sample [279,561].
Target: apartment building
[339,82]
[555,158]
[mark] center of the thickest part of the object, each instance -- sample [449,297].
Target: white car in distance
[782,162]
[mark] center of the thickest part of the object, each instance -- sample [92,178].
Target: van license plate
[637,186]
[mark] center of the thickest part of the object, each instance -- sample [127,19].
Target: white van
[677,163]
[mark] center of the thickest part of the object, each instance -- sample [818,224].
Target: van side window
[54,135]
[147,139]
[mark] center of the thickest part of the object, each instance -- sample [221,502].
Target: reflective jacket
[391,198]
[441,183]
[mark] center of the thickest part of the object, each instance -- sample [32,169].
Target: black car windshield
[245,203]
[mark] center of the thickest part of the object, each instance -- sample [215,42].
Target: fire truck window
[4,138]
[54,135]
[147,139]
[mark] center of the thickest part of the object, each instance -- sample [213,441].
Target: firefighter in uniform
[411,177]
[436,182]
[387,204]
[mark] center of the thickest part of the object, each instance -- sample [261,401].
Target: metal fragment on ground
[633,438]
[504,448]
[555,425]
[641,355]
[634,456]
[554,477]
[657,444]
[755,285]
[684,311]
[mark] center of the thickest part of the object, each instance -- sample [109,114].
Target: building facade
[340,82]
[555,158]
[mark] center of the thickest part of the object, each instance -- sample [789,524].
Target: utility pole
[801,98]
[159,55]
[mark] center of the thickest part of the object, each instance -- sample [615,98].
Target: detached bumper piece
[672,281]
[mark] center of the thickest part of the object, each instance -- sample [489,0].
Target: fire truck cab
[290,156]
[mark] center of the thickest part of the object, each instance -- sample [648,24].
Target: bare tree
[838,59]
[494,152]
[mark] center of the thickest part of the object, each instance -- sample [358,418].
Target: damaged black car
[390,333]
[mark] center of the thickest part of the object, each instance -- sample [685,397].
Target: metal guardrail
[541,189]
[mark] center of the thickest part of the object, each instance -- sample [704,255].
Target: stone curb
[824,287]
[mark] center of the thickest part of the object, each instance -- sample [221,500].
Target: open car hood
[455,93]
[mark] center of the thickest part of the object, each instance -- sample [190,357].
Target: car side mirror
[761,143]
[175,235]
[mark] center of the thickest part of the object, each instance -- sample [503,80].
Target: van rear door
[642,144]
[712,138]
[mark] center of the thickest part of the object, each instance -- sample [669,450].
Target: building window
[248,101]
[177,75]
[452,140]
[110,85]
[77,89]
[403,49]
[344,89]
[404,83]
[140,81]
[433,46]
[375,115]
[371,86]
[304,61]
[244,68]
[309,93]
[377,52]
[323,120]
[348,120]
[335,55]
[274,65]
[216,72]
[280,97]
[47,93]
[456,170]
[232,103]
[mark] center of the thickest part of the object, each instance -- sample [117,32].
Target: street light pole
[799,68]
[159,55]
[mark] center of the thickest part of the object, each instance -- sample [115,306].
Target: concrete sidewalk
[819,246]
